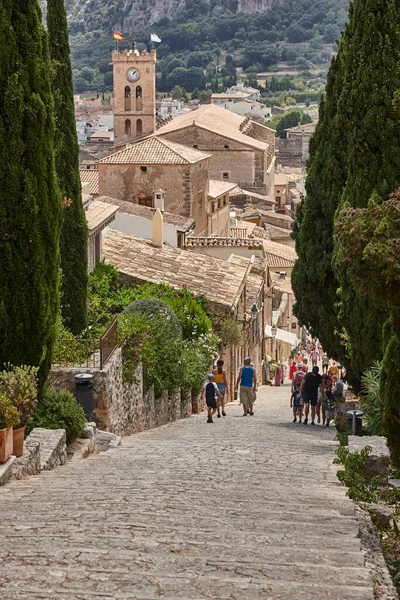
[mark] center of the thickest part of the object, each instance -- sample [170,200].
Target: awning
[283,336]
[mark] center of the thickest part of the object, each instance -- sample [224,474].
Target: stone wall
[228,155]
[124,408]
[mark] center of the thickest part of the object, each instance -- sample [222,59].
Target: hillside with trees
[205,40]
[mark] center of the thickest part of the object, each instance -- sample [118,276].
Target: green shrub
[370,397]
[190,309]
[196,360]
[9,414]
[19,384]
[359,489]
[59,409]
[151,334]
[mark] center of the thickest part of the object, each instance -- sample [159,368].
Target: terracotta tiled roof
[219,188]
[276,233]
[280,179]
[218,120]
[90,176]
[154,150]
[238,191]
[279,255]
[183,223]
[99,215]
[254,284]
[218,242]
[282,285]
[255,212]
[242,230]
[307,128]
[221,281]
[234,95]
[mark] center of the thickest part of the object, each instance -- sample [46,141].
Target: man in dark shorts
[310,385]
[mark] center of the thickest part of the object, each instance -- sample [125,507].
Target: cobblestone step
[245,509]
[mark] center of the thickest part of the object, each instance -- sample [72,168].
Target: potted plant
[9,418]
[19,385]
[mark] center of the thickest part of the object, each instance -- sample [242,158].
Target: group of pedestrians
[311,389]
[216,388]
[311,392]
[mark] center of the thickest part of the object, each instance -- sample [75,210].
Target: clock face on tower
[133,75]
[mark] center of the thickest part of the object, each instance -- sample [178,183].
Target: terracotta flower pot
[18,441]
[6,444]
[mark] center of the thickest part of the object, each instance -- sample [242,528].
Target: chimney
[159,196]
[158,234]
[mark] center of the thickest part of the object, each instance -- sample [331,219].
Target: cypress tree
[366,109]
[313,279]
[73,240]
[370,252]
[30,201]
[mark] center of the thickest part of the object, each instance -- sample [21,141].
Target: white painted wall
[142,228]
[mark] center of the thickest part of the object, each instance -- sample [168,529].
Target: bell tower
[134,94]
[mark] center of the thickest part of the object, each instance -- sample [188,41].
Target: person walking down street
[314,357]
[329,406]
[325,363]
[310,385]
[222,384]
[247,379]
[296,402]
[305,365]
[278,375]
[333,371]
[298,377]
[212,394]
[321,406]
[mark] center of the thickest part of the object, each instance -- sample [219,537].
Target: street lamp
[288,320]
[254,312]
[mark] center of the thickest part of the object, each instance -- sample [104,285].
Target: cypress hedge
[313,280]
[30,200]
[74,233]
[366,108]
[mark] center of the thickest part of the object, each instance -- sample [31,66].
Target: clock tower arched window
[128,103]
[139,98]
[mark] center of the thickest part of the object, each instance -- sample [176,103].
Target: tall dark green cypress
[30,200]
[366,109]
[313,280]
[73,240]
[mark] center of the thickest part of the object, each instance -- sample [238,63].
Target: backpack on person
[297,379]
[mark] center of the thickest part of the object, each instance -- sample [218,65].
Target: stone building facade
[135,173]
[134,94]
[242,151]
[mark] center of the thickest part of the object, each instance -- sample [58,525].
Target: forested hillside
[258,34]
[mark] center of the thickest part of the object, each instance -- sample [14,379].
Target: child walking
[296,402]
[222,384]
[212,394]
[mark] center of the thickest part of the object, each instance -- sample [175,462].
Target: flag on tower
[118,36]
[155,38]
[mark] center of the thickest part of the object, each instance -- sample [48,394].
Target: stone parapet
[123,408]
[377,461]
[53,447]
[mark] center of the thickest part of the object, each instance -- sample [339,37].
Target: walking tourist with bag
[247,379]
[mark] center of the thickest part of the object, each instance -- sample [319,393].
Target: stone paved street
[244,509]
